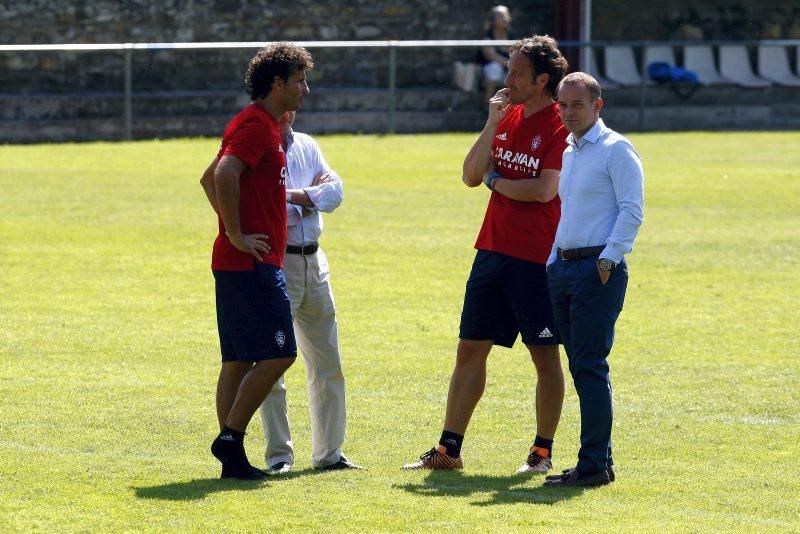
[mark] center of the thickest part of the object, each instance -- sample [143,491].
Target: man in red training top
[245,185]
[518,157]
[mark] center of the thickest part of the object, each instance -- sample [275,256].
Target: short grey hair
[581,78]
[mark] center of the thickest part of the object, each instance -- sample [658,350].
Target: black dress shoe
[343,463]
[572,478]
[280,468]
[611,475]
[559,476]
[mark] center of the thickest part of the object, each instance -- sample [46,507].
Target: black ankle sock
[452,442]
[238,436]
[543,443]
[228,448]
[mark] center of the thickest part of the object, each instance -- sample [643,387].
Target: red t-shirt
[522,148]
[253,137]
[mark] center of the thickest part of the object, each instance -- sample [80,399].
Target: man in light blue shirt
[601,186]
[312,187]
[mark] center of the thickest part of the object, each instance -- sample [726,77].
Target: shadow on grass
[502,490]
[199,488]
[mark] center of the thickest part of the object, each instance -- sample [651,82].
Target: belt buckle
[303,250]
[562,255]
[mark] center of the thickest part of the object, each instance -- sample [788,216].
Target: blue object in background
[664,73]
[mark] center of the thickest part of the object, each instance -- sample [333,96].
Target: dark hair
[278,59]
[581,78]
[545,57]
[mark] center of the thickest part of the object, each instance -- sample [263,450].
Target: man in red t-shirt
[518,157]
[246,186]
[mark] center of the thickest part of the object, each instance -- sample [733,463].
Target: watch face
[606,264]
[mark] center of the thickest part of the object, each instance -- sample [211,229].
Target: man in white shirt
[312,187]
[601,187]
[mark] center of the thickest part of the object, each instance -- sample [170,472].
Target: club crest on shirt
[536,142]
[502,137]
[280,338]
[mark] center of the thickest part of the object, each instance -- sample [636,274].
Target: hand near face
[498,105]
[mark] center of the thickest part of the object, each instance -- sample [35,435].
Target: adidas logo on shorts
[545,333]
[280,338]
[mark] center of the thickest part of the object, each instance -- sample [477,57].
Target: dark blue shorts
[253,314]
[507,296]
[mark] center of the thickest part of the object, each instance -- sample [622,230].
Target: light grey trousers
[316,331]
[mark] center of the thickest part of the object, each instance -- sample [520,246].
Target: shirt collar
[288,138]
[591,136]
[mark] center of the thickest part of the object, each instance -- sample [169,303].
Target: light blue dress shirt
[304,162]
[601,186]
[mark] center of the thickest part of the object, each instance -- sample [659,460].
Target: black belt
[304,250]
[578,253]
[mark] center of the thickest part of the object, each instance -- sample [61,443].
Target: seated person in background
[493,59]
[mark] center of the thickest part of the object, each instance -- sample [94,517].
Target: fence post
[392,83]
[127,131]
[642,89]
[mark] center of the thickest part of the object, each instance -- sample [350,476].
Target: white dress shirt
[304,162]
[601,186]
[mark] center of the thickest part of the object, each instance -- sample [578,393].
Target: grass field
[110,355]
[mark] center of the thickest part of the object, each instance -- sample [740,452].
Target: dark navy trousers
[585,312]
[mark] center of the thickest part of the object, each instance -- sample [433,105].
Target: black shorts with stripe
[507,296]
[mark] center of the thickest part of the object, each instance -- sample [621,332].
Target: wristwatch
[606,265]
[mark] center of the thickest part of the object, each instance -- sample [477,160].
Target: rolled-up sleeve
[627,179]
[328,196]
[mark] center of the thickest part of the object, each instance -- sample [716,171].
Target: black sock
[228,448]
[543,444]
[452,442]
[238,436]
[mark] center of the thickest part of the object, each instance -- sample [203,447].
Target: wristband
[490,179]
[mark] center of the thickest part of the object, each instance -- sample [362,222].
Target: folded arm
[541,189]
[479,157]
[324,194]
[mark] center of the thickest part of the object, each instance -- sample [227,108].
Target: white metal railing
[129,48]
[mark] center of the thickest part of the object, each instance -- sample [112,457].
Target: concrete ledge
[83,117]
[111,129]
[660,95]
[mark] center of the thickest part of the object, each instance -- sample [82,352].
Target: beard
[294,104]
[518,97]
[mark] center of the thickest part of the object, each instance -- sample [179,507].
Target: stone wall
[633,20]
[74,21]
[57,96]
[102,21]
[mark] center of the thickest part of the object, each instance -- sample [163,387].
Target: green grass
[109,348]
